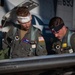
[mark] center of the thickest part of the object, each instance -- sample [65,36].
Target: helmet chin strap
[24,19]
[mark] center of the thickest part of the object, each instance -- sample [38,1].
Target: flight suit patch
[26,40]
[64,45]
[41,46]
[41,38]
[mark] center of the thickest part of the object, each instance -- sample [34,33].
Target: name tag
[70,50]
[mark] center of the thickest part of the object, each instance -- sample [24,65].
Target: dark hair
[55,21]
[22,11]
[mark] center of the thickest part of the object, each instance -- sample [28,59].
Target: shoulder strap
[14,31]
[69,36]
[33,33]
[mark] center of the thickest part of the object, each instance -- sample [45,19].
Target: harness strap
[33,37]
[14,32]
[69,37]
[33,33]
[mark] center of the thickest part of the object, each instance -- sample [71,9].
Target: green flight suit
[25,47]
